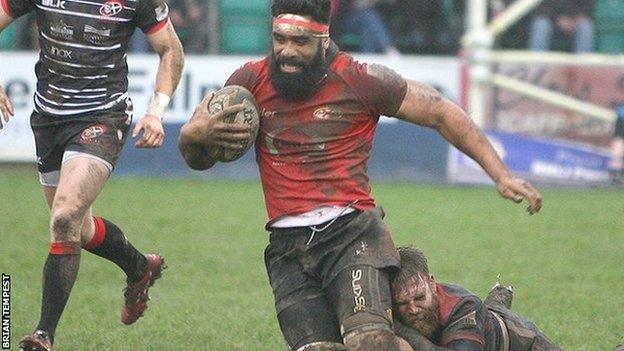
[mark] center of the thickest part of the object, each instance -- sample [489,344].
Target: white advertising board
[201,74]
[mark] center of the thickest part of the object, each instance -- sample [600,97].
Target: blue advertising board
[540,160]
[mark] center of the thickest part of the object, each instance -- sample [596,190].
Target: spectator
[188,17]
[363,19]
[431,26]
[572,18]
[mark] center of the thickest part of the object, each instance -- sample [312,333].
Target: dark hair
[319,10]
[413,263]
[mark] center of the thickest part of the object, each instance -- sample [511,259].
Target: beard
[426,322]
[301,85]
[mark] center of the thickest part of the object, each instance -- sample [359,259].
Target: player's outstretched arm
[418,342]
[203,131]
[166,43]
[425,106]
[6,108]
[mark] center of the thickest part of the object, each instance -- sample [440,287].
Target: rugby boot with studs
[38,341]
[500,295]
[136,294]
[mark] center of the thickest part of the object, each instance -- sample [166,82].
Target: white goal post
[478,47]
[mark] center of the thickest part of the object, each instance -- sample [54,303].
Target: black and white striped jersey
[82,61]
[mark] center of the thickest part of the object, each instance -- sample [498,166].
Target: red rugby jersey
[315,152]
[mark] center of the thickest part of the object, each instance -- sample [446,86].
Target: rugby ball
[250,116]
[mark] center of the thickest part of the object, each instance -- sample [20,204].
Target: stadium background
[566,263]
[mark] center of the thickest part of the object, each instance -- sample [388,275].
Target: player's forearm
[195,156]
[195,153]
[170,68]
[416,340]
[420,343]
[460,130]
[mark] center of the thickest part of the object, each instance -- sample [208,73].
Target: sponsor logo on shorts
[62,30]
[358,297]
[111,8]
[91,134]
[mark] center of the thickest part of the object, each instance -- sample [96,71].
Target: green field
[566,264]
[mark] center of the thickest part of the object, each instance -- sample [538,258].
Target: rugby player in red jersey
[81,120]
[330,253]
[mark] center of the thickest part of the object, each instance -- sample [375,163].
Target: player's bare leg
[71,225]
[103,238]
[81,181]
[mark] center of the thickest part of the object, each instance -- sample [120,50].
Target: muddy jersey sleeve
[418,342]
[466,323]
[380,88]
[17,8]
[151,15]
[244,76]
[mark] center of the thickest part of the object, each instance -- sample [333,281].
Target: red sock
[110,243]
[64,248]
[98,235]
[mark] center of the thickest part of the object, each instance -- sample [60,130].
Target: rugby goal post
[480,56]
[549,115]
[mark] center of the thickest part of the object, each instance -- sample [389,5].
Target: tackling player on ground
[81,119]
[434,316]
[330,254]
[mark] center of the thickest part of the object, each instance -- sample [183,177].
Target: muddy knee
[375,340]
[323,346]
[65,225]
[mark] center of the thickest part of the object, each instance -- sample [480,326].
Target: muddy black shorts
[332,282]
[521,333]
[59,139]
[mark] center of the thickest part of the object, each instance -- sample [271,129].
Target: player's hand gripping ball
[250,116]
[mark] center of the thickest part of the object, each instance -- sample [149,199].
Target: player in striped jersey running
[82,114]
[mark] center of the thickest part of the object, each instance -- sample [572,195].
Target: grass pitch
[566,264]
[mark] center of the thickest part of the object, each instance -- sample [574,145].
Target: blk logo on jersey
[91,134]
[111,8]
[59,4]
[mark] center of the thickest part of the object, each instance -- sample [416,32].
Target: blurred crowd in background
[393,27]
